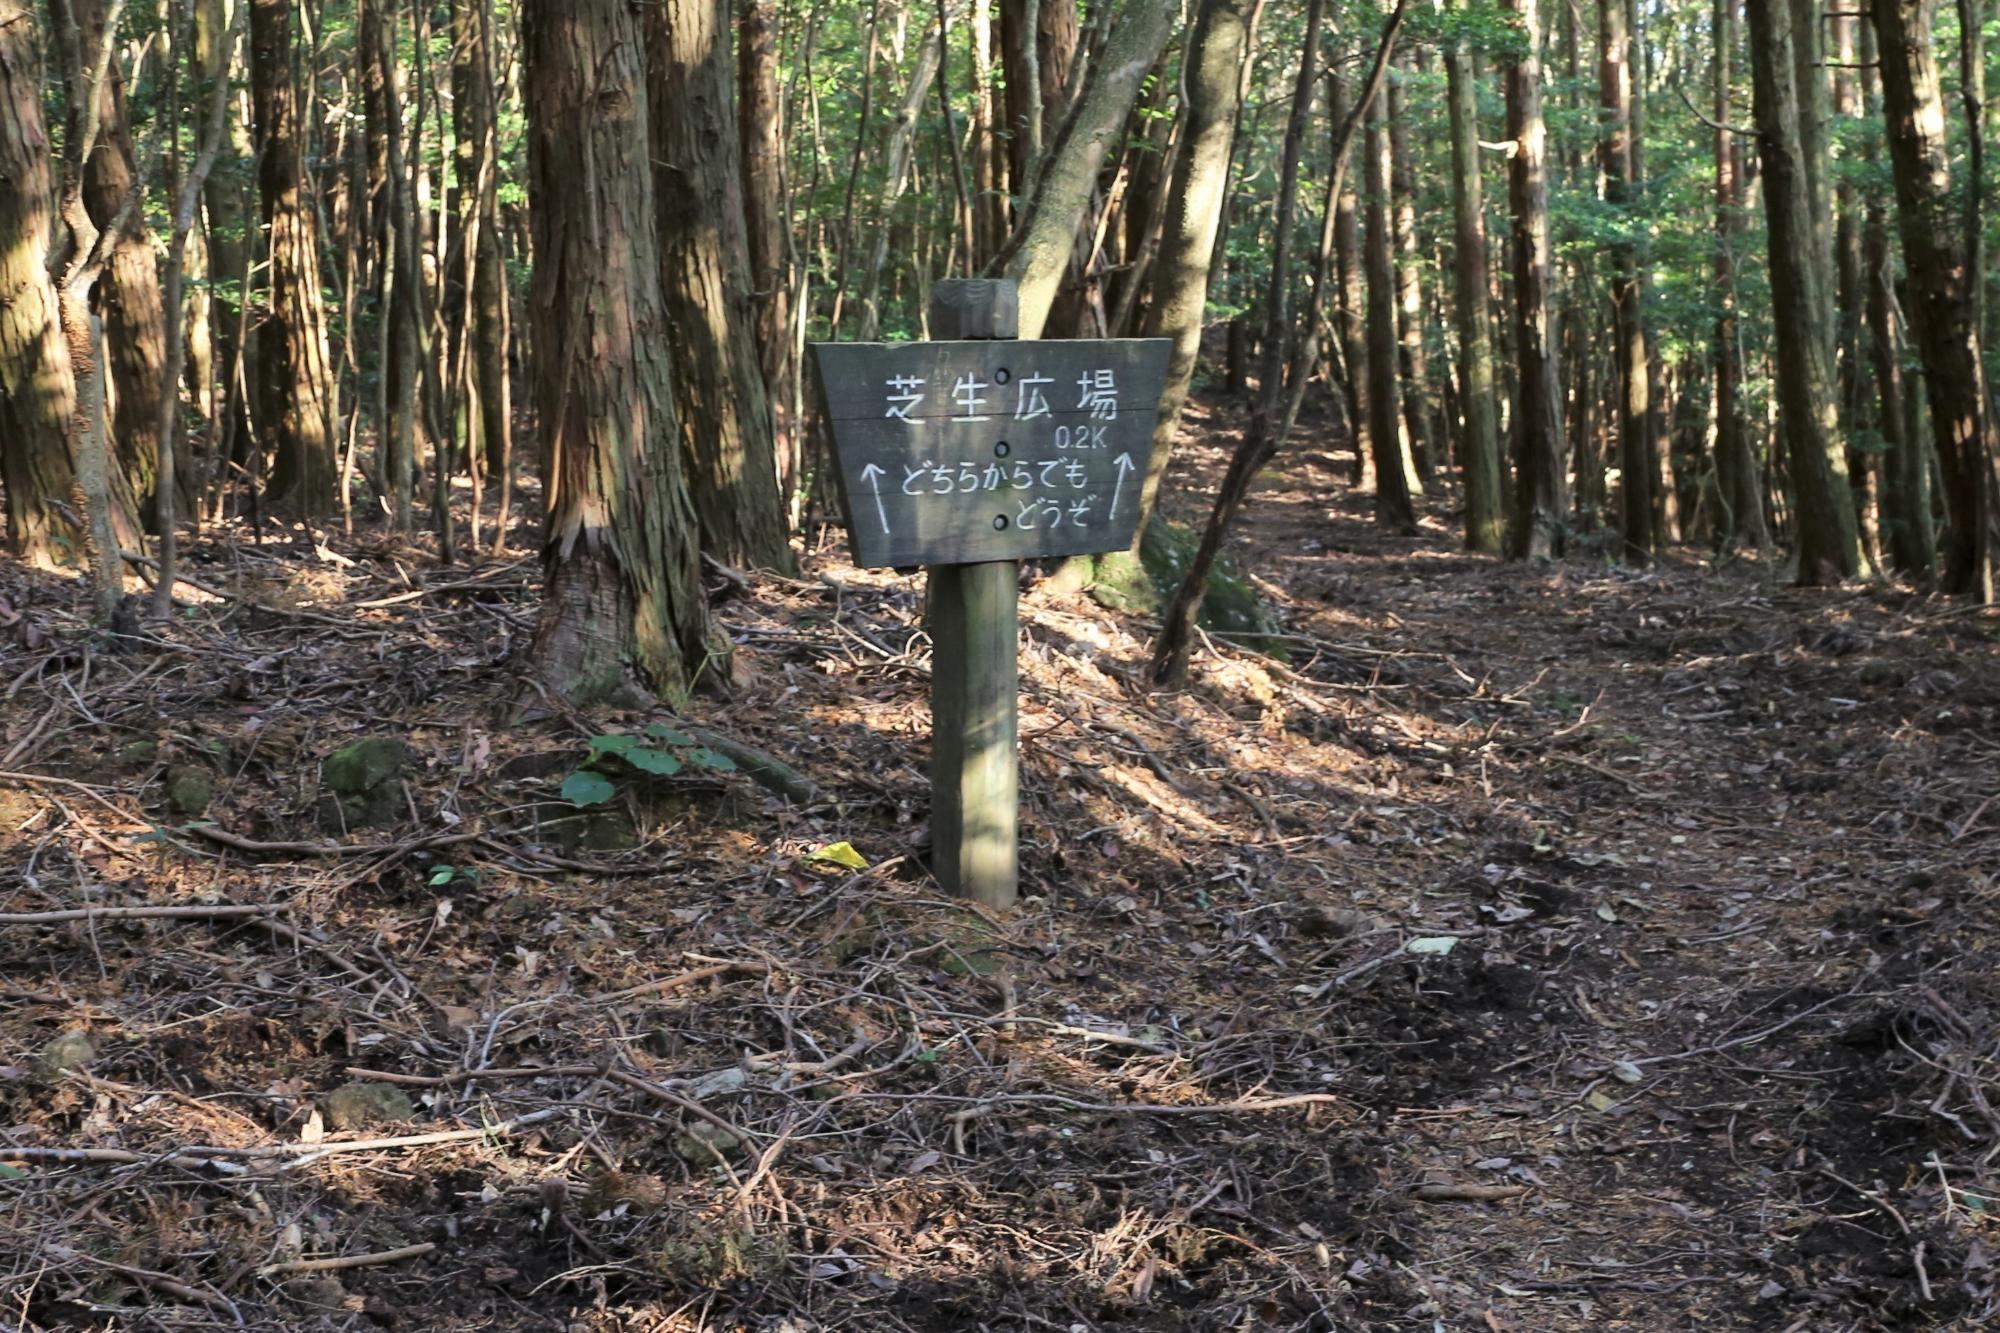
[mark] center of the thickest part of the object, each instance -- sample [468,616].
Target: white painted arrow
[873,476]
[1125,464]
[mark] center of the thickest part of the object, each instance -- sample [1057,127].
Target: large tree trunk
[1828,546]
[624,602]
[1635,433]
[1742,519]
[1211,66]
[1479,450]
[1941,286]
[719,392]
[37,386]
[295,381]
[1538,429]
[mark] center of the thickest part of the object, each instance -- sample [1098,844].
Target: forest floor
[1540,948]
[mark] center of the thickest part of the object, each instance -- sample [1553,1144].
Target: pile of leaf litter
[1533,949]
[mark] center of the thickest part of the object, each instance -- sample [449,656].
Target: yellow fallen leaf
[840,853]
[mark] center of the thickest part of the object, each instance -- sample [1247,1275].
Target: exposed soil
[1540,948]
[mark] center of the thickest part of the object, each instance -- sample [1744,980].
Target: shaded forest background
[1575,279]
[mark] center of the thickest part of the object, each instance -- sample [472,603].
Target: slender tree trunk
[1485,505]
[1849,285]
[1814,90]
[1392,480]
[1538,430]
[1047,239]
[988,160]
[1351,315]
[1911,543]
[294,380]
[1213,60]
[128,293]
[719,393]
[1418,412]
[228,207]
[1828,546]
[1267,427]
[1945,314]
[1742,520]
[624,602]
[896,170]
[1635,434]
[762,131]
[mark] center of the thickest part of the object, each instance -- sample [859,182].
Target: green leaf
[584,787]
[1438,944]
[660,731]
[12,1172]
[657,762]
[612,744]
[708,758]
[442,875]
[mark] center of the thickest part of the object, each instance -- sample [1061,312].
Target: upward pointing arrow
[1125,465]
[873,476]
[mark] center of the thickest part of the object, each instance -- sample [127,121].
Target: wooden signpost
[969,455]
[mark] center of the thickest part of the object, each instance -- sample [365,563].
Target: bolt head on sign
[956,453]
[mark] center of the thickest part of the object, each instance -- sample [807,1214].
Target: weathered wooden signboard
[958,453]
[970,455]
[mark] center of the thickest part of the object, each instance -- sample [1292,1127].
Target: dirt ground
[1537,949]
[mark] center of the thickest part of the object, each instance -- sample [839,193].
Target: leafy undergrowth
[1541,948]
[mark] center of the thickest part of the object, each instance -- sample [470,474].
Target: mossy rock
[362,786]
[365,765]
[1144,586]
[361,1105]
[137,754]
[70,1053]
[190,788]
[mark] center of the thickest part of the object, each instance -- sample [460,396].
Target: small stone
[190,788]
[70,1053]
[359,1105]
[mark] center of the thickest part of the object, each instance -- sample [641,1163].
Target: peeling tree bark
[623,604]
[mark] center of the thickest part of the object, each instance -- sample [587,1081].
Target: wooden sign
[964,452]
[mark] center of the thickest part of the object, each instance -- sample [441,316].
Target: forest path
[1727,853]
[1540,948]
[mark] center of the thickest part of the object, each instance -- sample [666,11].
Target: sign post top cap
[976,308]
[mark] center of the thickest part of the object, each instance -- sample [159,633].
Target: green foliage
[670,750]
